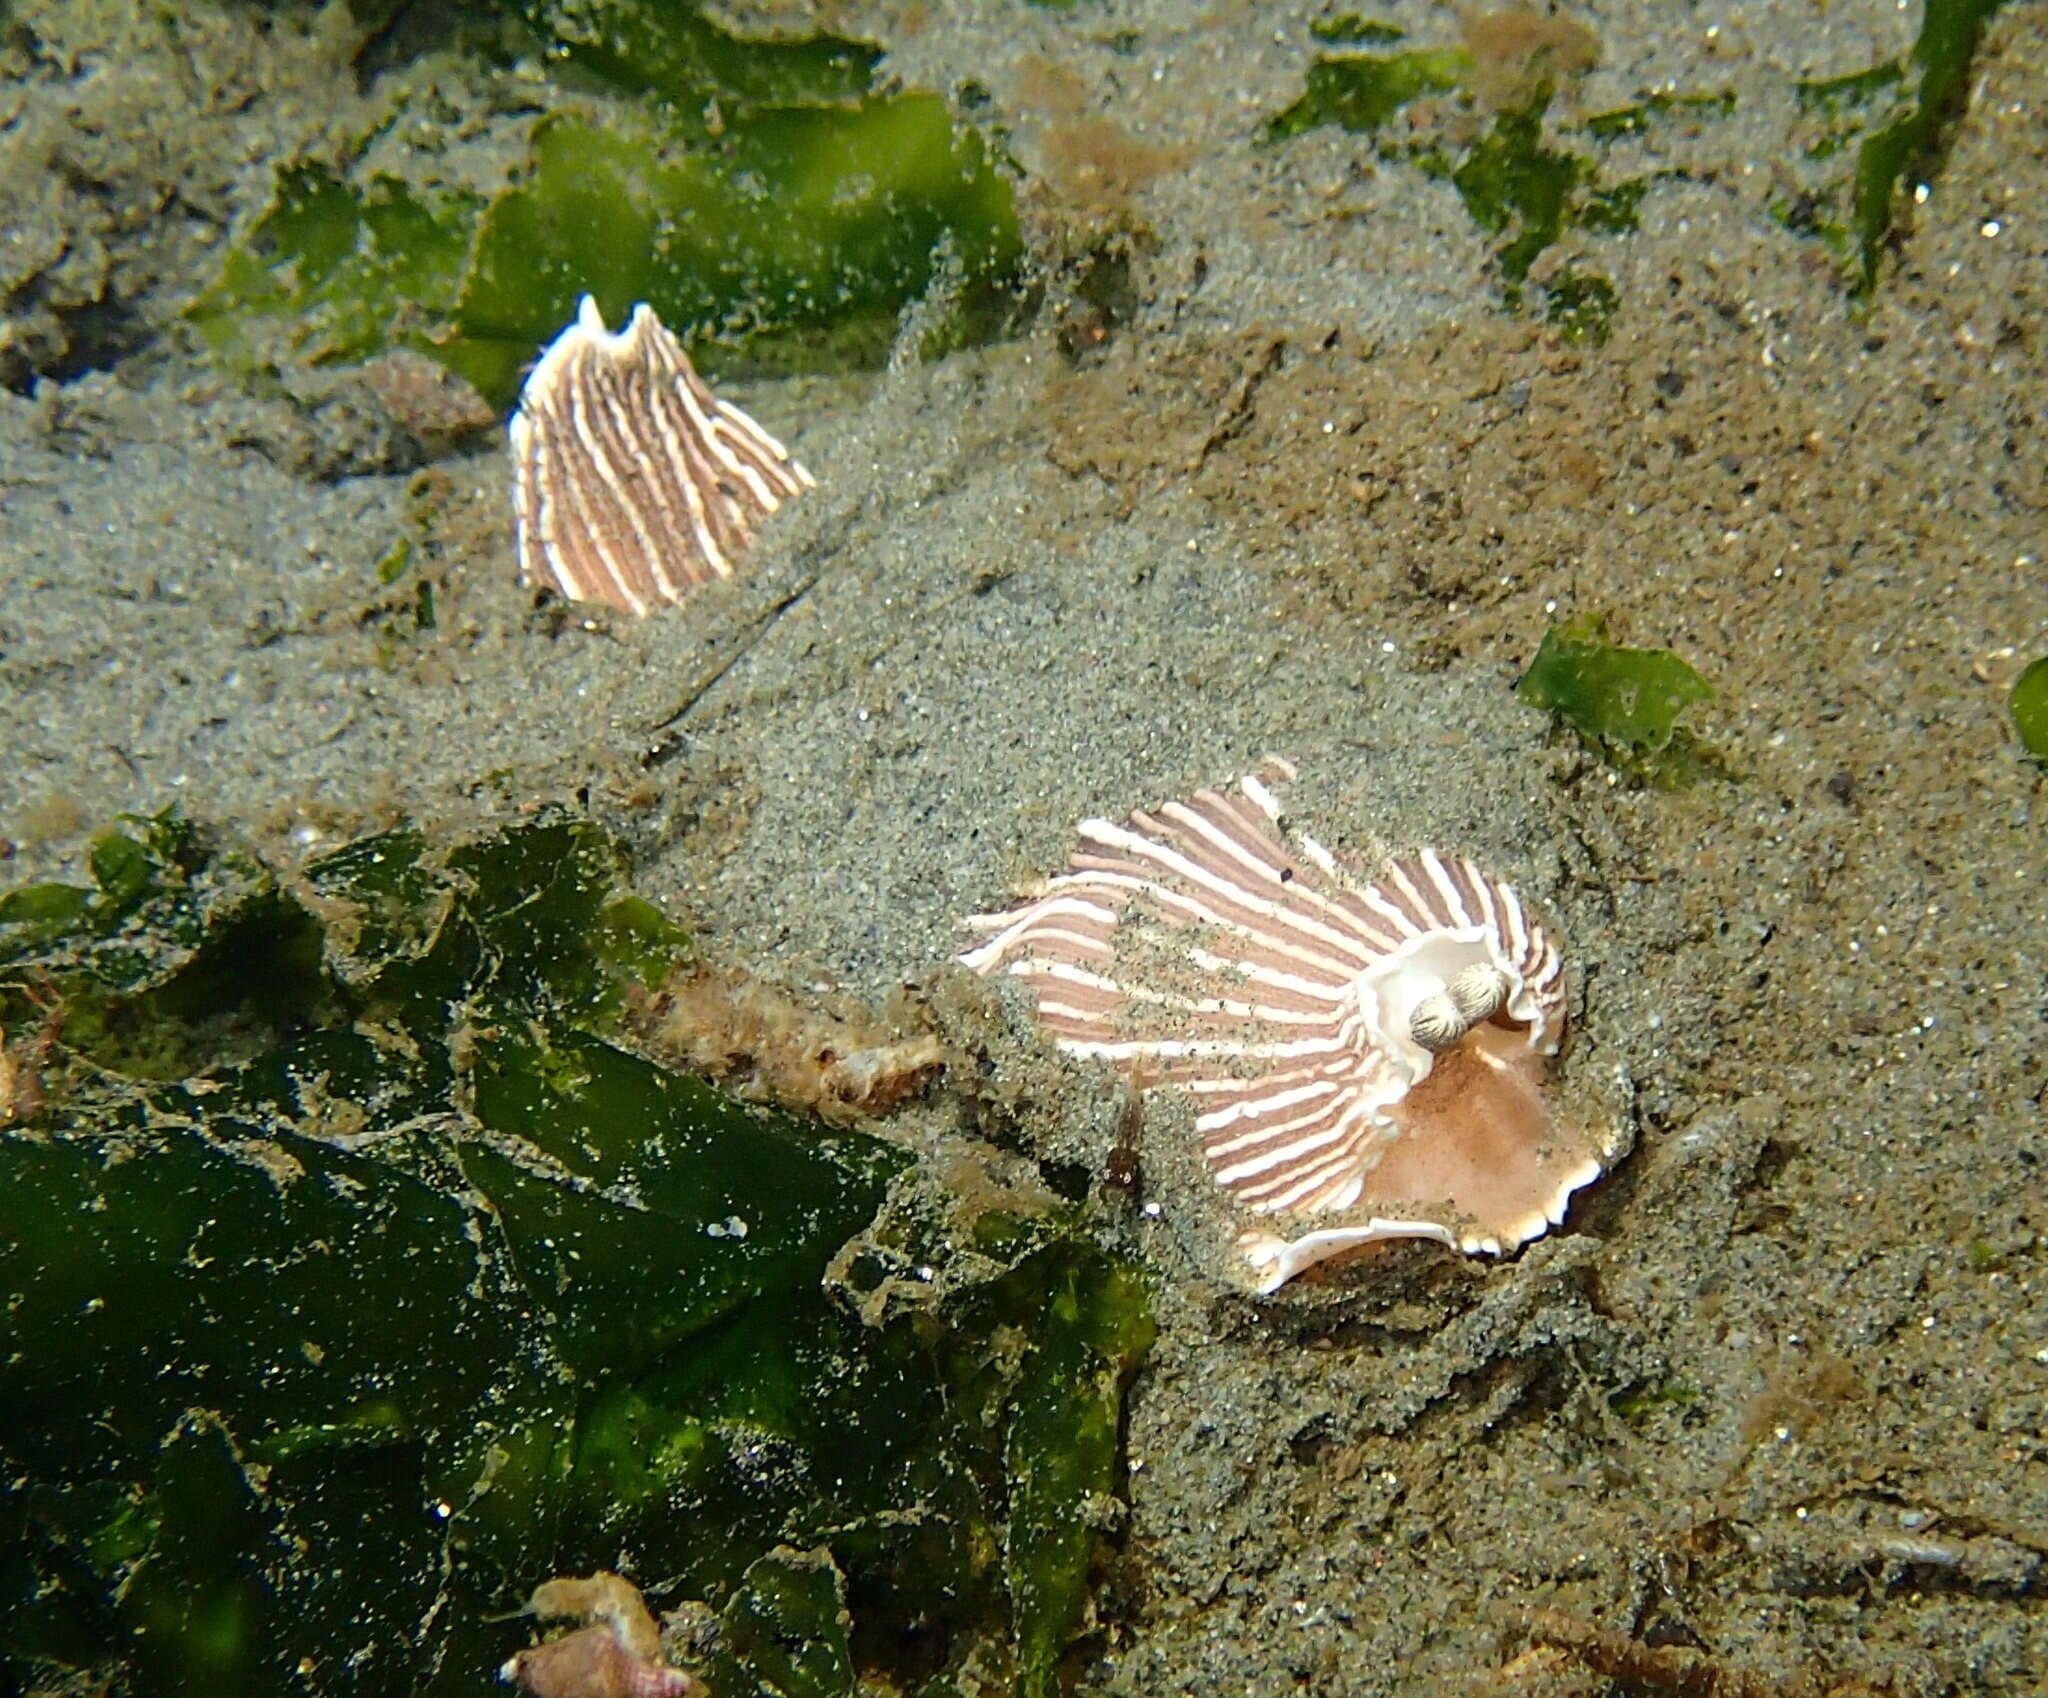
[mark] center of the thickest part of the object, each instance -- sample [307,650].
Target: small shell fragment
[633,483]
[1366,1055]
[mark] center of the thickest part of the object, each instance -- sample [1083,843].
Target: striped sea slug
[1366,1055]
[632,483]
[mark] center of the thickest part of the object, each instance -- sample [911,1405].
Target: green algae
[1062,1456]
[1517,186]
[1581,304]
[168,958]
[420,1288]
[2029,706]
[1646,114]
[703,75]
[1636,1404]
[1624,702]
[1909,148]
[787,1625]
[1522,180]
[1891,122]
[758,192]
[1615,210]
[1514,181]
[339,271]
[145,903]
[1832,96]
[1350,27]
[391,565]
[1362,92]
[800,239]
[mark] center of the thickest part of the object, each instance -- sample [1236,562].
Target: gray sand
[1779,1389]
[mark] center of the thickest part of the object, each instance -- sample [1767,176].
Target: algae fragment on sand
[1624,702]
[1361,92]
[1348,27]
[1893,120]
[1912,142]
[2029,703]
[1581,304]
[1515,182]
[1638,1402]
[1639,118]
[1832,97]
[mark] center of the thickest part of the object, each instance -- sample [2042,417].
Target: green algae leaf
[347,1297]
[594,1161]
[801,238]
[220,1267]
[704,76]
[1513,182]
[788,1625]
[1362,92]
[1638,1402]
[1351,27]
[152,859]
[1646,114]
[415,1289]
[1632,697]
[382,1329]
[382,902]
[1063,1462]
[157,897]
[1625,702]
[1895,118]
[2029,703]
[1858,89]
[1911,144]
[1614,210]
[176,957]
[532,916]
[756,192]
[535,911]
[334,272]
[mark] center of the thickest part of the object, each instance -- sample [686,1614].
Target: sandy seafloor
[1321,496]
